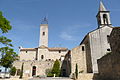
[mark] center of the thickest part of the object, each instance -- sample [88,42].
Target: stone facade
[41,67]
[78,56]
[37,60]
[109,65]
[42,58]
[42,53]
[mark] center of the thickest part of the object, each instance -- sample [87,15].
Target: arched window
[42,57]
[105,19]
[33,70]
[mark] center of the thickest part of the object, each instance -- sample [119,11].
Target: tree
[56,68]
[4,24]
[76,71]
[7,53]
[8,57]
[21,72]
[13,71]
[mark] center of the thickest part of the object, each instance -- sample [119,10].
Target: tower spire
[102,7]
[103,16]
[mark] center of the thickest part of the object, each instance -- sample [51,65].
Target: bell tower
[103,16]
[44,33]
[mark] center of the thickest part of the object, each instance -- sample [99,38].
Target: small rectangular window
[83,48]
[108,49]
[108,36]
[26,51]
[43,33]
[59,51]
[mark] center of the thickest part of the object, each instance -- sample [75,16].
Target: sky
[69,20]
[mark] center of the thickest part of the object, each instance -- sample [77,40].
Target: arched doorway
[33,70]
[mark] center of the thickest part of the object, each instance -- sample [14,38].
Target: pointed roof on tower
[102,7]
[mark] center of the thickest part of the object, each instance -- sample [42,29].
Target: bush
[13,71]
[49,73]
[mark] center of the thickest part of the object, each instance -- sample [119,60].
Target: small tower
[103,16]
[44,33]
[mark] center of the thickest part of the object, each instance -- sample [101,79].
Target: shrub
[18,72]
[21,72]
[76,71]
[49,73]
[13,71]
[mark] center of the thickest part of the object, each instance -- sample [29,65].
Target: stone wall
[27,55]
[109,65]
[78,56]
[85,76]
[42,54]
[66,65]
[41,67]
[114,40]
[105,67]
[88,55]
[50,55]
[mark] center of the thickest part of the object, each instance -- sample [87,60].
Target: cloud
[66,36]
[71,32]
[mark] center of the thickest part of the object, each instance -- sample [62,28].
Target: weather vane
[44,21]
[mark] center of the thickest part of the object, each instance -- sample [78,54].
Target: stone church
[35,61]
[96,42]
[94,45]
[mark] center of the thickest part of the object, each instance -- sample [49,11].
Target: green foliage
[4,28]
[50,75]
[56,68]
[21,72]
[76,71]
[6,41]
[12,71]
[49,72]
[8,57]
[4,24]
